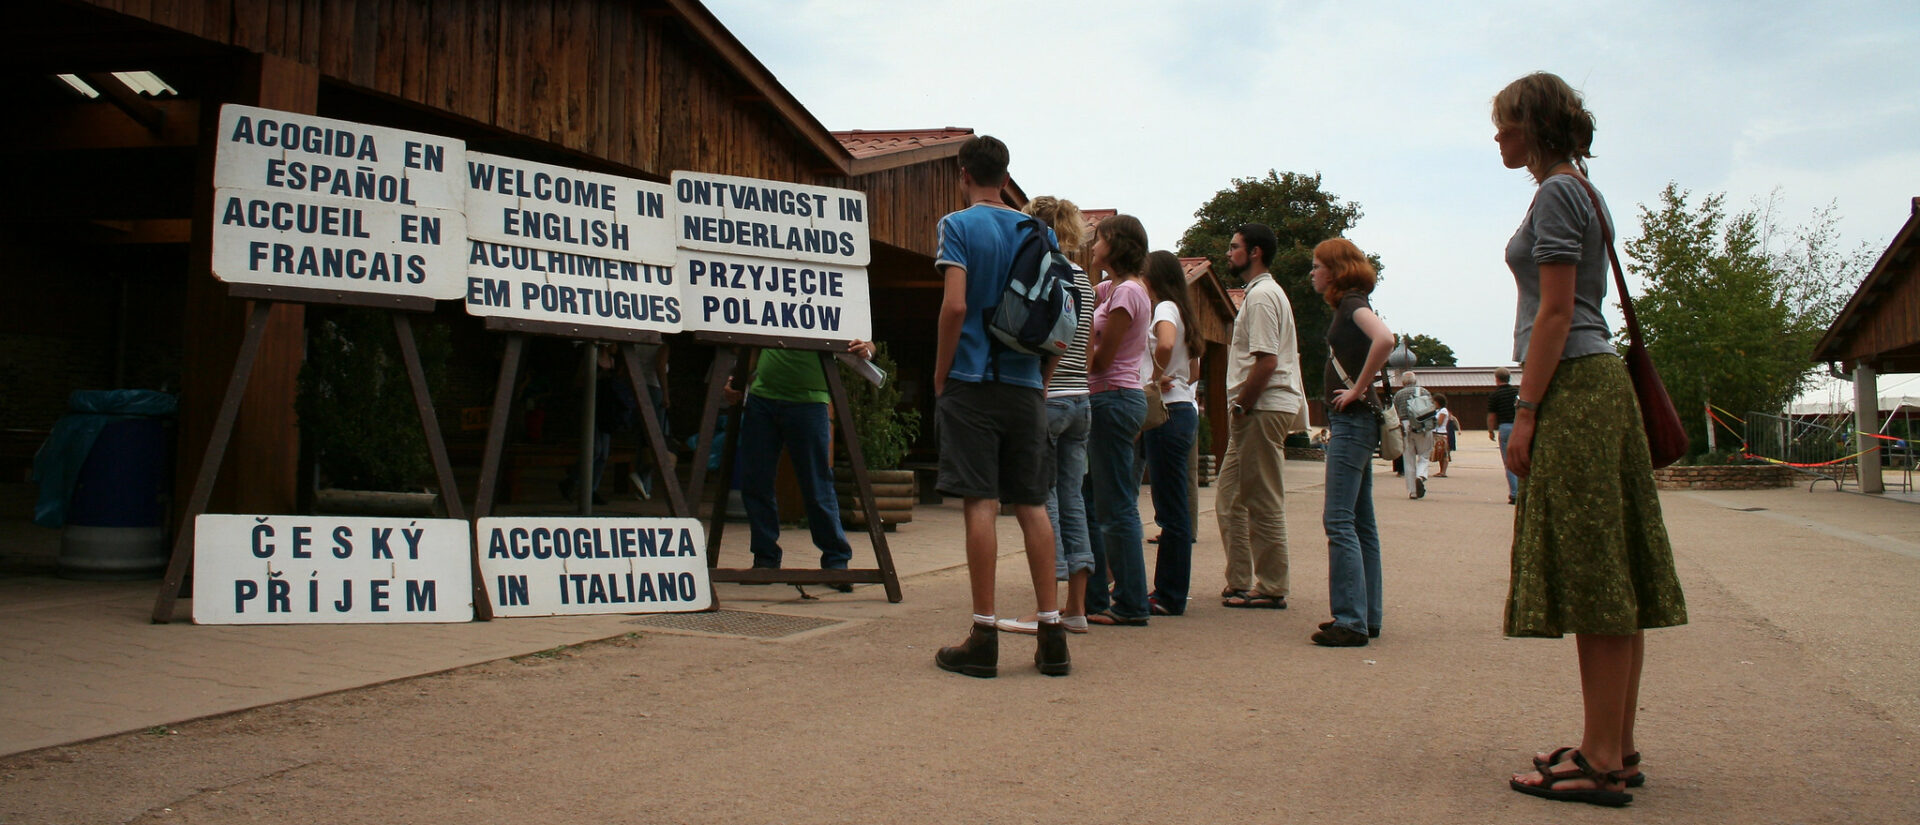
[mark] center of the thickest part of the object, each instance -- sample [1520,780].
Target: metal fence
[1808,445]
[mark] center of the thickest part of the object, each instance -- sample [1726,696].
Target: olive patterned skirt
[1590,550]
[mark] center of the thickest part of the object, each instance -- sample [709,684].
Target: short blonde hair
[1064,217]
[1552,115]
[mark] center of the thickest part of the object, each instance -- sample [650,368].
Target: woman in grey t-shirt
[1590,550]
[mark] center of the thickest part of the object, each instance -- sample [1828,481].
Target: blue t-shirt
[981,239]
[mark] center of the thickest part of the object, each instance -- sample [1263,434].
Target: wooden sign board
[316,203]
[250,569]
[575,566]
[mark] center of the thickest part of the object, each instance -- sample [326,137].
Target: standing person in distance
[1115,352]
[1358,344]
[1443,424]
[1069,420]
[1416,410]
[1500,421]
[1264,400]
[991,415]
[1590,550]
[1174,340]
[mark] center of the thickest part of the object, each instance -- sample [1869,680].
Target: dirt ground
[1790,698]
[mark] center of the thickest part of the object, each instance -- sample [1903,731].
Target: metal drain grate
[735,623]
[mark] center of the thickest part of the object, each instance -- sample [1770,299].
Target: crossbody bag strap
[1613,257]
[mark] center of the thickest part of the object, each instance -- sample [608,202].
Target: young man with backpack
[991,412]
[1418,415]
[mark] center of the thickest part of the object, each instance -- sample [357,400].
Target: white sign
[522,203]
[285,152]
[568,566]
[323,570]
[289,239]
[543,285]
[316,203]
[772,219]
[731,293]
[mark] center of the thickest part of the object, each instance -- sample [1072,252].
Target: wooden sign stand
[518,330]
[180,565]
[730,351]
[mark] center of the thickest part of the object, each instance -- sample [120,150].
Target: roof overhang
[1880,281]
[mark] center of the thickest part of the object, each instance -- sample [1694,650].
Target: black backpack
[1035,314]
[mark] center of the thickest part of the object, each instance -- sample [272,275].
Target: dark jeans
[1117,415]
[803,428]
[1168,447]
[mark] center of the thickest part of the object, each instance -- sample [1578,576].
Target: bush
[886,430]
[356,406]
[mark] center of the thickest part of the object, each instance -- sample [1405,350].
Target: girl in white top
[1173,341]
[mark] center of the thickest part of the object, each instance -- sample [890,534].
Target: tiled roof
[1195,268]
[1458,378]
[868,143]
[1093,217]
[1239,296]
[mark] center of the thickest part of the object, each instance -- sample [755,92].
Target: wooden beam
[158,231]
[141,109]
[97,125]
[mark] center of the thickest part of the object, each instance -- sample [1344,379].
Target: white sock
[1050,617]
[985,620]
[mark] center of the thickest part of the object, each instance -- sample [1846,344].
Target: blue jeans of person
[802,427]
[1353,540]
[1069,420]
[1168,448]
[1117,415]
[1513,481]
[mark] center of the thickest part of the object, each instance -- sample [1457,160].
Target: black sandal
[1631,760]
[1598,795]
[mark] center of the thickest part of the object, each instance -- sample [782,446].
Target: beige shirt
[1265,325]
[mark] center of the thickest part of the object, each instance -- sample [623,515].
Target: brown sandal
[1630,761]
[1597,795]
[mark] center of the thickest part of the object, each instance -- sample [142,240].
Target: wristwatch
[1523,404]
[1237,408]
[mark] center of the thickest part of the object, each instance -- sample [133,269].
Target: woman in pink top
[1115,352]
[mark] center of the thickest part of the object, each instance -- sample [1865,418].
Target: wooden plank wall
[907,202]
[1893,322]
[622,80]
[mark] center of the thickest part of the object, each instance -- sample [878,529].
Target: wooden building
[1879,332]
[105,250]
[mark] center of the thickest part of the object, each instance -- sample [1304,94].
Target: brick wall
[1730,477]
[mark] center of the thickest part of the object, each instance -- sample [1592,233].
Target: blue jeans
[1353,541]
[1069,420]
[1168,446]
[1513,481]
[803,428]
[1117,415]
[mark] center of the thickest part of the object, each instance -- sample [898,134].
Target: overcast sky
[1152,107]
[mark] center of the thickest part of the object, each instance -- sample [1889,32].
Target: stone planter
[1306,454]
[894,494]
[1725,477]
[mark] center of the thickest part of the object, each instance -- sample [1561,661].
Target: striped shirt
[1070,375]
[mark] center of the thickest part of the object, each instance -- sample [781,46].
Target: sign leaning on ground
[572,566]
[550,243]
[773,258]
[316,203]
[324,570]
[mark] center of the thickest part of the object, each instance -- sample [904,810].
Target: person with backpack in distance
[1418,416]
[990,408]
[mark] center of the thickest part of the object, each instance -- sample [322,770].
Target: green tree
[1302,215]
[1733,304]
[1429,352]
[356,405]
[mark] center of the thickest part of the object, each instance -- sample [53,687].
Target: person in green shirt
[787,406]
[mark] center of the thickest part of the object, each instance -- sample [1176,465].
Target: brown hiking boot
[1051,654]
[978,656]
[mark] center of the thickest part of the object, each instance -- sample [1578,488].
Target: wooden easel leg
[656,437]
[843,411]
[724,360]
[437,448]
[497,427]
[181,563]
